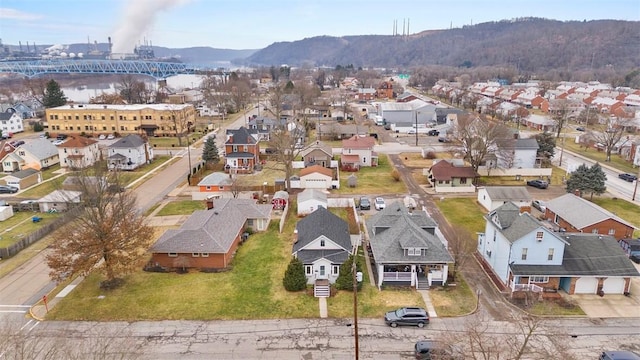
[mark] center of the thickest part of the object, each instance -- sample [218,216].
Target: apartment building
[96,119]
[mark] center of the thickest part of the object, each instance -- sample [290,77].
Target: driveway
[611,305]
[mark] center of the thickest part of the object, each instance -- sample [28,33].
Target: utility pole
[189,157]
[416,128]
[635,188]
[355,301]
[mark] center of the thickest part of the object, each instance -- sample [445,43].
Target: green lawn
[20,225]
[622,208]
[464,212]
[182,207]
[599,156]
[373,180]
[44,188]
[453,300]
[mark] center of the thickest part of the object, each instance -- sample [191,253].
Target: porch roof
[337,256]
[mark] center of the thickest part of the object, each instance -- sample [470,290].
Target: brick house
[242,151]
[574,214]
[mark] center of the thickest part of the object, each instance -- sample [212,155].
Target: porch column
[414,282]
[380,275]
[445,273]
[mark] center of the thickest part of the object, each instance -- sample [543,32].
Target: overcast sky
[255,24]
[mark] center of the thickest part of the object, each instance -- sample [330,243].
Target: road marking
[13,311]
[24,306]
[27,324]
[34,325]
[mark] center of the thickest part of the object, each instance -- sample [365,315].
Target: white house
[323,243]
[357,151]
[59,200]
[36,154]
[492,197]
[10,122]
[310,200]
[129,153]
[78,152]
[527,256]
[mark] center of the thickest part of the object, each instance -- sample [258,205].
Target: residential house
[36,154]
[309,200]
[385,90]
[322,244]
[451,176]
[22,179]
[335,131]
[317,153]
[317,177]
[571,213]
[208,239]
[242,151]
[366,94]
[407,114]
[25,111]
[514,154]
[263,126]
[357,151]
[526,256]
[59,200]
[129,153]
[78,152]
[407,248]
[540,123]
[216,182]
[406,97]
[10,122]
[492,197]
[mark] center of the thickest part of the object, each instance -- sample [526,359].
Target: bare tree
[133,90]
[461,246]
[284,142]
[479,138]
[108,233]
[180,121]
[560,115]
[610,133]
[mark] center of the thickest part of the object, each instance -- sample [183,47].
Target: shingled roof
[444,170]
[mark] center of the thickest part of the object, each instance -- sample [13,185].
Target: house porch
[420,276]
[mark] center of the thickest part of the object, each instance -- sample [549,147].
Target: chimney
[209,202]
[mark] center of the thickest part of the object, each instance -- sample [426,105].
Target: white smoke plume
[138,18]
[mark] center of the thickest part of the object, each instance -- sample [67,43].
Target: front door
[323,272]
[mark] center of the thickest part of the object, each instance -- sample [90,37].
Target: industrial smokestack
[138,18]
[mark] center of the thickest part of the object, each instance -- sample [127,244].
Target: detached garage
[316,177]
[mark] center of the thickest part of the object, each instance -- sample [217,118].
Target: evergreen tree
[210,151]
[546,146]
[587,179]
[345,278]
[295,279]
[53,95]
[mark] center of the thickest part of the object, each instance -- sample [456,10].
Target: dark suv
[364,204]
[407,316]
[540,184]
[433,132]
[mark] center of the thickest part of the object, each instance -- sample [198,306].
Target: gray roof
[216,179]
[585,255]
[241,136]
[312,194]
[317,145]
[6,115]
[40,148]
[212,231]
[507,193]
[23,173]
[322,222]
[394,229]
[512,223]
[580,212]
[336,256]
[129,141]
[61,196]
[520,143]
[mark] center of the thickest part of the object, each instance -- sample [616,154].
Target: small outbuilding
[310,200]
[59,200]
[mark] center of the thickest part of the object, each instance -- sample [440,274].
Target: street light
[189,157]
[416,128]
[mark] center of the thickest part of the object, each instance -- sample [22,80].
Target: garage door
[586,285]
[613,286]
[315,184]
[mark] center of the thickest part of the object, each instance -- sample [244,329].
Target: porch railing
[526,287]
[396,276]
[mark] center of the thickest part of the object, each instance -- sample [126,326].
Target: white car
[111,137]
[102,137]
[58,142]
[379,203]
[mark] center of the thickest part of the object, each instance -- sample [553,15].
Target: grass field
[599,156]
[622,208]
[464,212]
[20,225]
[373,180]
[182,207]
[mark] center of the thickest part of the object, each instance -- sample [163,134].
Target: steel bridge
[156,69]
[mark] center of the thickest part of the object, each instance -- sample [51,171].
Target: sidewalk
[40,309]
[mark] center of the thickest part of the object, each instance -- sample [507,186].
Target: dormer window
[414,251]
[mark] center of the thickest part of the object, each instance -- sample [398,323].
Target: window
[322,243]
[335,269]
[524,253]
[173,254]
[539,235]
[308,269]
[204,254]
[556,219]
[208,188]
[463,180]
[594,231]
[538,279]
[612,231]
[550,256]
[195,254]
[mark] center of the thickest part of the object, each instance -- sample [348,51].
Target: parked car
[411,131]
[433,132]
[635,258]
[365,204]
[443,139]
[6,189]
[628,177]
[379,203]
[407,316]
[387,126]
[619,355]
[539,204]
[61,137]
[432,350]
[102,137]
[17,143]
[540,184]
[580,128]
[58,142]
[111,137]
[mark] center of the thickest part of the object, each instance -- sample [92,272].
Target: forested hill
[530,45]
